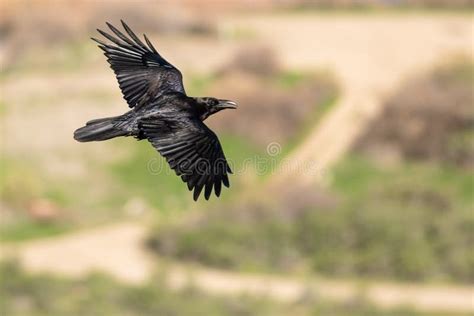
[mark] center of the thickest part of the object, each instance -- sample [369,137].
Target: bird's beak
[227,104]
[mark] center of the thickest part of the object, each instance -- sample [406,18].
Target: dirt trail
[118,250]
[370,56]
[114,249]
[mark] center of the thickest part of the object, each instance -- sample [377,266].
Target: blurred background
[352,151]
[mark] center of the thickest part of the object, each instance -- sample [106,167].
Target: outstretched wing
[142,73]
[191,149]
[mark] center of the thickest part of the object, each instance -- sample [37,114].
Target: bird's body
[128,124]
[162,113]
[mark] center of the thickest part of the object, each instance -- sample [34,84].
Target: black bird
[162,113]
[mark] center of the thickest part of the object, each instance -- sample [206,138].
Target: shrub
[430,118]
[409,223]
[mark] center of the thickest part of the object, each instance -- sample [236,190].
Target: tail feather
[99,129]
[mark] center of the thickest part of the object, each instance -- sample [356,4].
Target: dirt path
[118,250]
[115,249]
[370,55]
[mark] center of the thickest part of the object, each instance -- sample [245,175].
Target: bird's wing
[191,149]
[142,73]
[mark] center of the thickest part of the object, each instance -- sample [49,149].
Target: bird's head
[212,105]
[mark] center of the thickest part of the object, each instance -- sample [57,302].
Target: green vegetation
[146,174]
[20,184]
[17,182]
[290,79]
[27,228]
[44,295]
[22,181]
[238,33]
[411,222]
[39,204]
[197,84]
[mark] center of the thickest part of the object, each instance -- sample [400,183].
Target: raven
[161,113]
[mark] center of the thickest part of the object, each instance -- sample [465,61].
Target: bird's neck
[201,109]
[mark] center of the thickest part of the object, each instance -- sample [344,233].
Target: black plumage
[162,113]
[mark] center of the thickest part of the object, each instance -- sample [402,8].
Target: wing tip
[125,25]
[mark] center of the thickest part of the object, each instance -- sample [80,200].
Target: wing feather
[191,149]
[142,73]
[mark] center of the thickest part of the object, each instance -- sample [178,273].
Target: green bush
[145,174]
[411,222]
